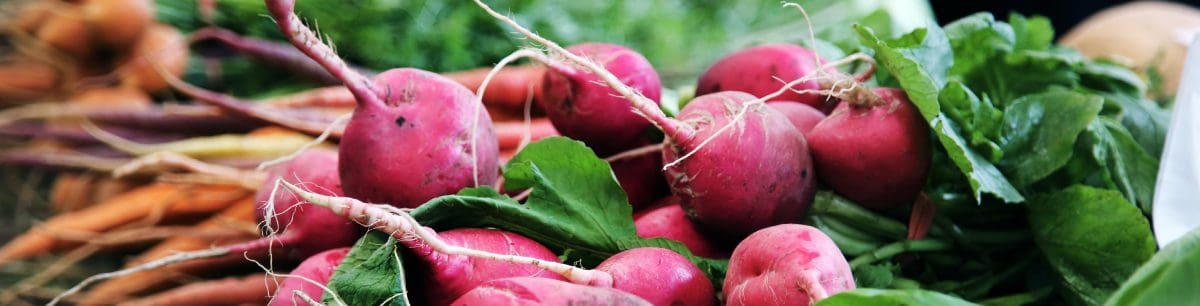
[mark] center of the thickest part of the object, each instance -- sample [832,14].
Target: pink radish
[638,173]
[309,278]
[787,264]
[303,229]
[530,291]
[414,135]
[666,219]
[803,116]
[438,278]
[718,184]
[660,276]
[761,70]
[876,154]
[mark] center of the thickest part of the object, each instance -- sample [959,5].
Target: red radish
[640,176]
[762,70]
[787,264]
[677,283]
[414,135]
[438,278]
[660,276]
[530,291]
[874,154]
[803,116]
[585,109]
[309,278]
[666,219]
[719,184]
[305,230]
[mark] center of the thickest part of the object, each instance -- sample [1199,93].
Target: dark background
[1064,14]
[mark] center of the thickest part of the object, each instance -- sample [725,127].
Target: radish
[673,280]
[529,291]
[666,219]
[718,184]
[414,135]
[303,229]
[309,278]
[585,109]
[439,278]
[803,116]
[761,70]
[874,153]
[638,173]
[787,264]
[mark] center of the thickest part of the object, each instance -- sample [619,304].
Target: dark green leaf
[895,297]
[1130,168]
[1040,131]
[976,40]
[576,208]
[370,274]
[980,120]
[1168,278]
[922,90]
[1144,120]
[1092,237]
[874,276]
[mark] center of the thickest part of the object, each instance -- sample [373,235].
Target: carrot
[67,31]
[240,214]
[508,90]
[332,96]
[120,96]
[23,79]
[250,289]
[32,15]
[117,24]
[225,145]
[71,191]
[160,45]
[166,199]
[510,134]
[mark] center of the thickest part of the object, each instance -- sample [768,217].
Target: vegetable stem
[896,248]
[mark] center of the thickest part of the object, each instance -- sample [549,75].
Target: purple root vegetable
[762,70]
[666,219]
[273,53]
[439,278]
[308,278]
[305,121]
[414,135]
[640,175]
[732,179]
[308,229]
[803,116]
[787,264]
[583,108]
[660,276]
[874,154]
[530,291]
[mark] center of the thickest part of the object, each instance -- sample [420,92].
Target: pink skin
[641,178]
[666,219]
[414,135]
[751,176]
[440,279]
[318,268]
[582,108]
[660,276]
[787,264]
[803,116]
[309,229]
[876,156]
[764,69]
[418,145]
[531,291]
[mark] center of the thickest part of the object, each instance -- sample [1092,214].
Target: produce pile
[857,159]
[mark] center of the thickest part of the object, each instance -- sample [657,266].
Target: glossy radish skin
[532,291]
[803,116]
[660,276]
[666,219]
[582,108]
[787,264]
[641,178]
[875,156]
[320,228]
[318,268]
[764,69]
[417,145]
[439,279]
[753,175]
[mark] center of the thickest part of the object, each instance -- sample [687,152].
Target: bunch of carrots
[147,165]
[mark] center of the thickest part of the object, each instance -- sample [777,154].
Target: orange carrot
[332,96]
[71,191]
[510,133]
[239,215]
[508,90]
[23,79]
[117,24]
[120,96]
[33,14]
[161,45]
[250,289]
[169,200]
[67,31]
